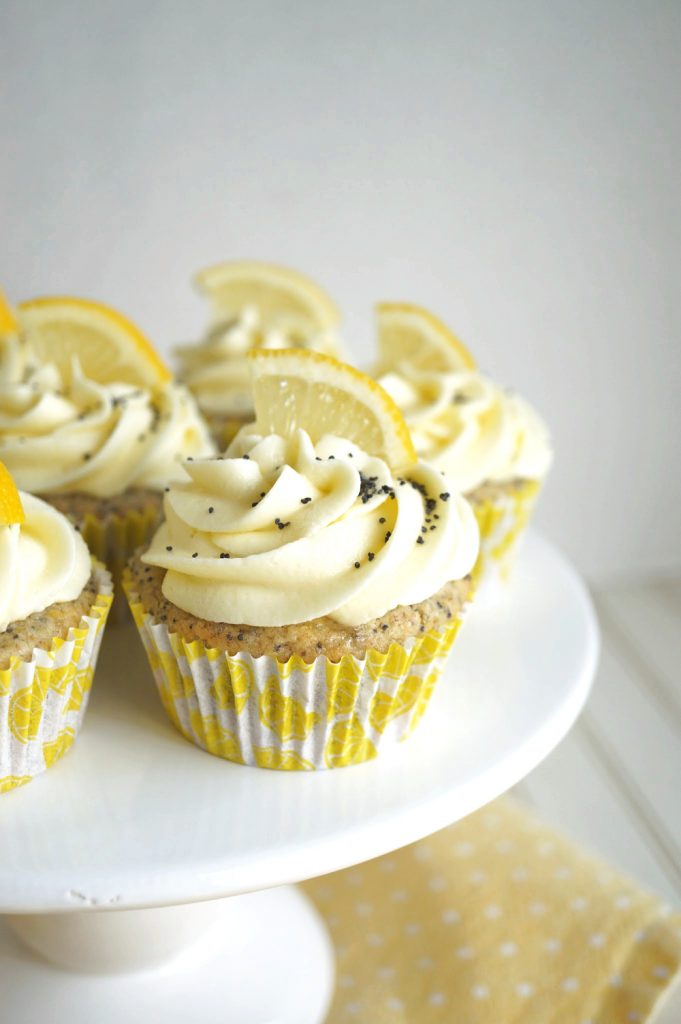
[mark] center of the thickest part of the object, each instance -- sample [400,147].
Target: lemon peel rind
[419,318]
[309,294]
[11,508]
[8,321]
[92,314]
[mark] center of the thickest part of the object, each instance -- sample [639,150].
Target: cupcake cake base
[113,528]
[47,663]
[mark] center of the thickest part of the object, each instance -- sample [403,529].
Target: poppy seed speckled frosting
[281,531]
[63,433]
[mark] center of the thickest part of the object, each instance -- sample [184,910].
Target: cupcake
[100,450]
[253,305]
[490,442]
[299,600]
[54,601]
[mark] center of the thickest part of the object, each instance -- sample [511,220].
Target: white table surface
[615,782]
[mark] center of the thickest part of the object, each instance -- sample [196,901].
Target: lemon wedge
[11,509]
[412,335]
[277,292]
[110,348]
[8,321]
[298,388]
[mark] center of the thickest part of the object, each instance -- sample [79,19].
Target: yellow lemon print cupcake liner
[113,540]
[502,520]
[43,701]
[293,715]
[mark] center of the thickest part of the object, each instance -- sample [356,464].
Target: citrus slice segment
[295,388]
[11,509]
[410,334]
[8,321]
[277,292]
[109,347]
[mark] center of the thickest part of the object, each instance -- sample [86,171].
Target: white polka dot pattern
[495,920]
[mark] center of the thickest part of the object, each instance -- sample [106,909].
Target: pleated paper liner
[501,519]
[292,715]
[43,701]
[114,538]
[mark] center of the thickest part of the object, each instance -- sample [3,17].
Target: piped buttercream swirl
[216,369]
[281,531]
[470,427]
[42,561]
[62,433]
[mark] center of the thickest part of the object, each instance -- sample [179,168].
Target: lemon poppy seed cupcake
[490,442]
[54,601]
[299,600]
[91,421]
[254,305]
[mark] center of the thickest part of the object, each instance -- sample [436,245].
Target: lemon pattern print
[285,716]
[53,750]
[385,707]
[392,665]
[294,715]
[284,760]
[348,744]
[5,681]
[57,678]
[501,522]
[82,682]
[42,700]
[13,781]
[169,703]
[343,685]
[232,685]
[429,648]
[423,699]
[294,664]
[214,738]
[25,712]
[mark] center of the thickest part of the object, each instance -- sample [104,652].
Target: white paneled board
[615,782]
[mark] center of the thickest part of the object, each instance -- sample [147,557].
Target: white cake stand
[127,865]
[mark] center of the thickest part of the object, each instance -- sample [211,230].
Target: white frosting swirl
[59,435]
[15,357]
[216,370]
[470,427]
[42,561]
[281,531]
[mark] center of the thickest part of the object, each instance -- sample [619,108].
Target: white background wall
[514,166]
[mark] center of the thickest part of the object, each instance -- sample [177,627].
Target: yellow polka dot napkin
[496,920]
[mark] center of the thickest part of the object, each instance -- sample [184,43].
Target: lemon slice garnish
[412,335]
[278,293]
[8,321]
[297,388]
[109,347]
[11,509]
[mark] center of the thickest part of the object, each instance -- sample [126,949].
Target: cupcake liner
[113,540]
[43,701]
[502,520]
[292,715]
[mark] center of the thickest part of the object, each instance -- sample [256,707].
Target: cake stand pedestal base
[263,958]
